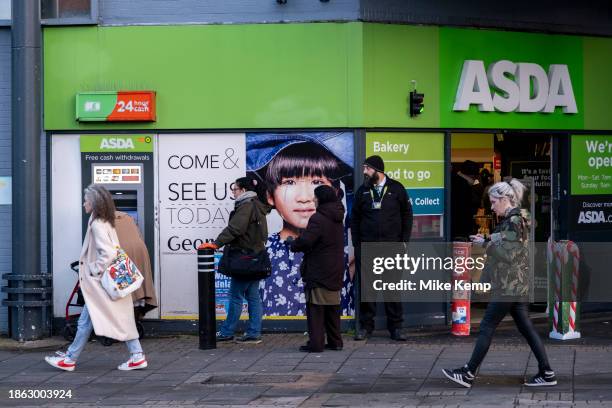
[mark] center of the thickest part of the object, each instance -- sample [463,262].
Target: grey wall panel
[5,170]
[225,11]
[561,16]
[5,162]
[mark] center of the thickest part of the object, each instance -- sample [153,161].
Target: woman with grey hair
[507,269]
[107,317]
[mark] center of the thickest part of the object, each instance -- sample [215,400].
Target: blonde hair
[103,206]
[513,190]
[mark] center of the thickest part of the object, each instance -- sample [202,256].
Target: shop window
[5,12]
[65,12]
[57,12]
[417,161]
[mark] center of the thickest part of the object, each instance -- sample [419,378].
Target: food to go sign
[417,161]
[122,106]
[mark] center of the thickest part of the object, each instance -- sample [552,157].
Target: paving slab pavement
[374,373]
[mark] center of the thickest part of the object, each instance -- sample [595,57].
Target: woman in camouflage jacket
[507,250]
[507,267]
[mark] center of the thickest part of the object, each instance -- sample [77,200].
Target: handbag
[245,264]
[122,276]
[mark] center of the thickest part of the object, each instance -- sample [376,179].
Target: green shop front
[168,116]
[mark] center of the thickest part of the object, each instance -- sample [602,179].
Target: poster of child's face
[291,166]
[293,199]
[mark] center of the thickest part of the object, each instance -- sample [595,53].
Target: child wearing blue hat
[291,177]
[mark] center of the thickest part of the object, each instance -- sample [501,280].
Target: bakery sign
[119,106]
[506,86]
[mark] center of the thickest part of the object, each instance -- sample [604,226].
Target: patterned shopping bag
[122,277]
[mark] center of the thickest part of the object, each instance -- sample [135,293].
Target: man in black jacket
[381,213]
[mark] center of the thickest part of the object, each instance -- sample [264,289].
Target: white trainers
[136,362]
[63,363]
[462,376]
[542,379]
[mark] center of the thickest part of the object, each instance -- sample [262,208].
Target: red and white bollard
[564,273]
[460,305]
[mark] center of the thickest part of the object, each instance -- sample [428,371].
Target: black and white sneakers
[462,376]
[543,379]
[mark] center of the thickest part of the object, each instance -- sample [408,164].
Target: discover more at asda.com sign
[591,182]
[506,86]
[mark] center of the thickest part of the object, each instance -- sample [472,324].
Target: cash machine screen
[117,174]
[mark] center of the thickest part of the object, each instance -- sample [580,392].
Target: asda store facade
[224,92]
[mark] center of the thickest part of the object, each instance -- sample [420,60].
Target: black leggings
[493,316]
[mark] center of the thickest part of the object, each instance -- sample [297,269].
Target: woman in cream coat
[106,317]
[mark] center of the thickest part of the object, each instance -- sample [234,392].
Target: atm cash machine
[127,173]
[125,183]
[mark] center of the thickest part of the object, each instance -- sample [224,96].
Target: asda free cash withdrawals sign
[116,143]
[417,161]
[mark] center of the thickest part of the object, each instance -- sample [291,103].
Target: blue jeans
[239,291]
[84,329]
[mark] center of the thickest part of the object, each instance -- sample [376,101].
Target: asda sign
[506,86]
[593,217]
[491,79]
[118,143]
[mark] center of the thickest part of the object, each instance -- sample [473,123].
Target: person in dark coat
[382,212]
[322,270]
[247,229]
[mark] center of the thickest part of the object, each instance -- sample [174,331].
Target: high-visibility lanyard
[382,196]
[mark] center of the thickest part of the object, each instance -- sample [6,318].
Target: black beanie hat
[325,194]
[375,162]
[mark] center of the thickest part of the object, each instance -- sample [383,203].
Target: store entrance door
[527,156]
[481,159]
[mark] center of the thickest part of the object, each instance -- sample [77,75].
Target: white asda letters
[116,143]
[473,88]
[561,91]
[527,72]
[496,74]
[535,91]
